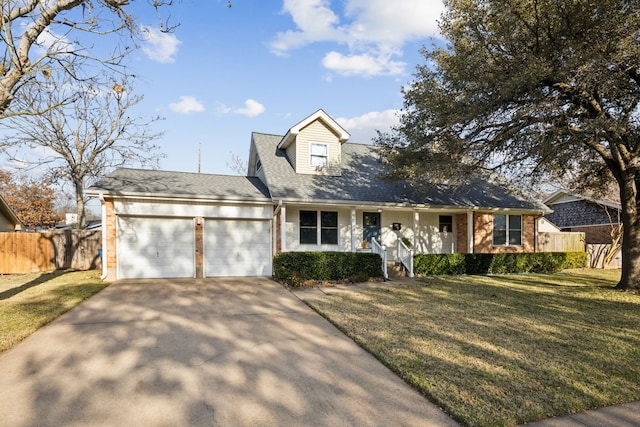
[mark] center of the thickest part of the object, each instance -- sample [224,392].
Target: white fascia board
[180,198]
[291,134]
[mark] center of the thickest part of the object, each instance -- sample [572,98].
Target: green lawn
[30,301]
[502,350]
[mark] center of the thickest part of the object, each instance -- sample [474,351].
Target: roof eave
[408,205]
[175,197]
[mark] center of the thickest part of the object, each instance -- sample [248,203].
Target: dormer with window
[314,145]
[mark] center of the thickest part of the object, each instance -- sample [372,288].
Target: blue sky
[265,65]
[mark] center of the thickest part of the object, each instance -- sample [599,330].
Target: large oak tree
[536,89]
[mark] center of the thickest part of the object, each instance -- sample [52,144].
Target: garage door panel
[237,248]
[155,247]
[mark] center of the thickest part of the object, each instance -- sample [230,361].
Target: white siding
[293,230]
[428,238]
[317,131]
[567,198]
[425,239]
[5,224]
[292,155]
[191,210]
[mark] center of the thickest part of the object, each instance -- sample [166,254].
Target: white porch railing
[405,256]
[377,248]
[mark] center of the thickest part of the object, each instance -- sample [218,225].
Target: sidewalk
[626,415]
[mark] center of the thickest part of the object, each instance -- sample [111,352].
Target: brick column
[199,224]
[461,233]
[110,230]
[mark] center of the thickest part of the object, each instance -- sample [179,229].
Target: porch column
[416,227]
[353,230]
[470,232]
[283,229]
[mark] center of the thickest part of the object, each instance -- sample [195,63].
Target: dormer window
[258,165]
[319,155]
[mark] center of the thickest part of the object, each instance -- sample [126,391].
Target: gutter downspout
[104,237]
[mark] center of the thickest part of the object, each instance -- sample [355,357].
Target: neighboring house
[8,219]
[309,190]
[573,212]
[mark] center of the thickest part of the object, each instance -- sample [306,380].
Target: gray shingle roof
[141,182]
[359,183]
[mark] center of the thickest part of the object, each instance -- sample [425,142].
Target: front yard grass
[502,350]
[30,301]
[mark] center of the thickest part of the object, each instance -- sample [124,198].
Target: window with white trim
[318,154]
[507,230]
[329,228]
[309,227]
[445,223]
[314,227]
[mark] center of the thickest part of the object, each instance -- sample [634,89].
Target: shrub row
[294,268]
[537,262]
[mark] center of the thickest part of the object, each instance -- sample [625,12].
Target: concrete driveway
[227,352]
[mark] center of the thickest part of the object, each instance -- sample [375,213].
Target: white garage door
[237,248]
[155,248]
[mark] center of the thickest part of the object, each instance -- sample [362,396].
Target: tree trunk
[630,280]
[82,220]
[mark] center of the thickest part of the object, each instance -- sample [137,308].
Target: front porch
[399,232]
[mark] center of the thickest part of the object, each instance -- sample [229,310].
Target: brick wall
[278,233]
[594,235]
[110,229]
[483,234]
[461,233]
[199,248]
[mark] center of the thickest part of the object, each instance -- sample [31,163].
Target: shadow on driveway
[228,352]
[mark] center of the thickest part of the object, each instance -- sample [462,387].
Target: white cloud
[158,46]
[372,31]
[387,22]
[187,105]
[252,108]
[363,128]
[315,22]
[363,65]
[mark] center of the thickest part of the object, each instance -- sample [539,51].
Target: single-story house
[307,190]
[575,212]
[8,219]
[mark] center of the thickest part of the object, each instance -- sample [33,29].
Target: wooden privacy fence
[561,242]
[55,250]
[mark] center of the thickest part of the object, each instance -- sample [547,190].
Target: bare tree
[83,139]
[44,37]
[616,232]
[238,164]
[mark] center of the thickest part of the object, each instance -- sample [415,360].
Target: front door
[370,227]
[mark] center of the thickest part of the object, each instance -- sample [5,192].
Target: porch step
[395,271]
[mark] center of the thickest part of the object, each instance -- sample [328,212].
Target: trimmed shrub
[501,263]
[294,268]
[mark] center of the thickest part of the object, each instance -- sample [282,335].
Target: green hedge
[294,268]
[536,262]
